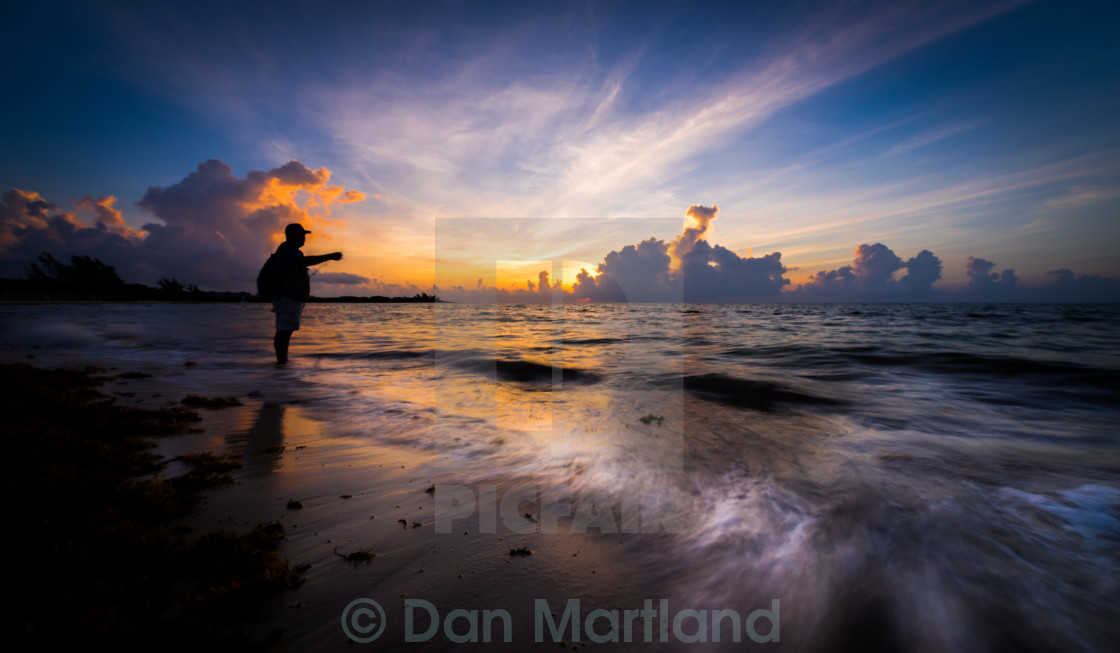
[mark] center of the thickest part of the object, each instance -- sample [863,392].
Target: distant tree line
[86,278]
[351,299]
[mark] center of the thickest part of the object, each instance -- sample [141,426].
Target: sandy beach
[866,495]
[630,326]
[337,496]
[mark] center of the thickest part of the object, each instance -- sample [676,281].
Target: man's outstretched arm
[322,258]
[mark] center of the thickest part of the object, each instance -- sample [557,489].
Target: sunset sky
[160,140]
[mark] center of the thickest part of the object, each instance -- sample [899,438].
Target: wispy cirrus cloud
[587,112]
[931,136]
[570,140]
[979,206]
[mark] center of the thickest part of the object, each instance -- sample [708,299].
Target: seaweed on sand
[198,401]
[93,513]
[134,375]
[361,556]
[234,575]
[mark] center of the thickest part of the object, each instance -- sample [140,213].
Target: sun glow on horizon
[817,132]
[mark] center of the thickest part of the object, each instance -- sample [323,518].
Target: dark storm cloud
[341,278]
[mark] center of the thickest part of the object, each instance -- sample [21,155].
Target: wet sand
[338,495]
[900,477]
[360,497]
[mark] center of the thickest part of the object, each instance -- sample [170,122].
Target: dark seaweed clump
[92,518]
[361,556]
[198,401]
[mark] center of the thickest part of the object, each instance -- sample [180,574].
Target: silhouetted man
[295,286]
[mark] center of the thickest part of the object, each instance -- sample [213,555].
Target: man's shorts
[287,313]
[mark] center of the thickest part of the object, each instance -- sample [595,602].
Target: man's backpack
[268,280]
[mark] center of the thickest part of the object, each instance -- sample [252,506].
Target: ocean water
[920,477]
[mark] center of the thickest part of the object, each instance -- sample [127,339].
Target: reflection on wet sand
[942,476]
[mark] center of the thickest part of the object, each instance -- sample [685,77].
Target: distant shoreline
[145,302]
[207,298]
[410,300]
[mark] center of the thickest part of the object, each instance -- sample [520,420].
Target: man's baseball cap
[295,228]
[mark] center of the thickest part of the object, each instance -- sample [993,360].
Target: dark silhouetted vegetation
[377,299]
[172,288]
[83,274]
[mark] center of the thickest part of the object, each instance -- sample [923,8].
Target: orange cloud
[683,244]
[108,216]
[24,211]
[211,228]
[304,195]
[26,215]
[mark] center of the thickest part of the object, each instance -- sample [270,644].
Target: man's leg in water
[280,344]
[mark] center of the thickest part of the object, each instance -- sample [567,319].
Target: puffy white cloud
[1068,287]
[871,277]
[874,265]
[683,244]
[640,273]
[688,268]
[921,272]
[986,285]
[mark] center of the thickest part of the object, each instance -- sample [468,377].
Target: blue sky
[984,129]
